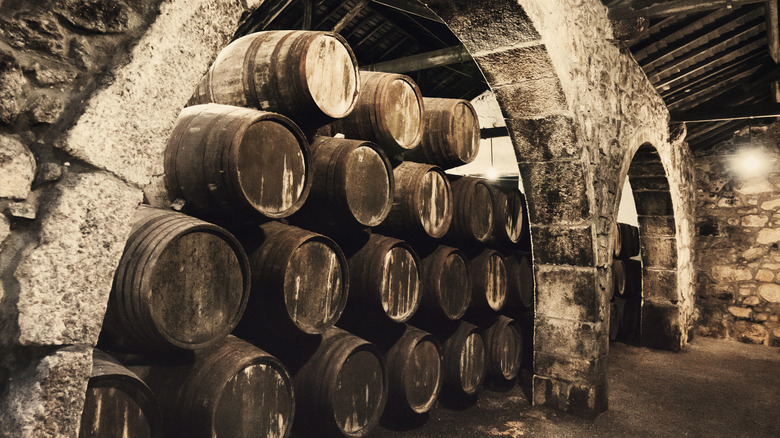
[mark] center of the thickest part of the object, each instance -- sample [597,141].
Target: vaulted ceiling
[714,62]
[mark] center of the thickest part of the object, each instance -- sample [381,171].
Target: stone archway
[658,239]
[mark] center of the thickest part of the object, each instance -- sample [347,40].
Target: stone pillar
[570,344]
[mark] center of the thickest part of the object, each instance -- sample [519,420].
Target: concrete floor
[712,388]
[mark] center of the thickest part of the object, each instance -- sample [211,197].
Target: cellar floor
[712,388]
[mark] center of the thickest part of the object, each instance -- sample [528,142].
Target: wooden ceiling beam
[346,19]
[742,112]
[423,61]
[684,47]
[638,8]
[713,137]
[712,91]
[413,7]
[704,81]
[751,45]
[656,48]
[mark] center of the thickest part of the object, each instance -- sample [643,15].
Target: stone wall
[89,90]
[737,239]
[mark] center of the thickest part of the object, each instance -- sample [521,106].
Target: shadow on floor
[712,388]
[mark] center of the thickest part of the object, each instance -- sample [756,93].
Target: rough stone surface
[35,30]
[45,109]
[11,82]
[46,398]
[565,294]
[742,254]
[770,292]
[22,210]
[47,76]
[126,126]
[103,16]
[556,193]
[86,227]
[17,168]
[563,245]
[547,138]
[5,231]
[660,285]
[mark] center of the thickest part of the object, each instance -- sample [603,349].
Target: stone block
[660,284]
[740,312]
[568,294]
[541,139]
[649,182]
[768,236]
[661,326]
[11,91]
[563,245]
[751,301]
[653,203]
[566,338]
[754,220]
[556,192]
[770,292]
[486,24]
[17,168]
[5,231]
[99,16]
[753,254]
[531,98]
[765,276]
[771,205]
[516,64]
[64,281]
[646,168]
[582,400]
[729,273]
[45,109]
[657,226]
[571,368]
[22,210]
[659,252]
[46,398]
[750,333]
[125,127]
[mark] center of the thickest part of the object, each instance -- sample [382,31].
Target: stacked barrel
[626,303]
[318,226]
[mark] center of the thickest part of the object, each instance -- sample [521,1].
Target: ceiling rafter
[639,8]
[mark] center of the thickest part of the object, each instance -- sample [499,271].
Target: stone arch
[569,355]
[658,240]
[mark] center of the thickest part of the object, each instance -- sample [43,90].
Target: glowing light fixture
[751,161]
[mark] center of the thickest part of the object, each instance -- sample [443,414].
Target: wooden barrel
[463,361]
[508,213]
[445,279]
[384,281]
[311,77]
[422,201]
[342,388]
[451,133]
[472,205]
[225,160]
[118,403]
[504,348]
[488,274]
[618,278]
[615,317]
[300,281]
[626,243]
[631,321]
[520,281]
[181,283]
[414,373]
[232,389]
[633,271]
[389,112]
[352,184]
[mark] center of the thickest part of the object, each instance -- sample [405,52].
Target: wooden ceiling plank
[673,37]
[308,13]
[349,16]
[393,47]
[369,34]
[742,112]
[363,23]
[710,140]
[713,90]
[663,83]
[422,61]
[328,15]
[701,40]
[638,8]
[730,67]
